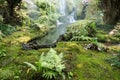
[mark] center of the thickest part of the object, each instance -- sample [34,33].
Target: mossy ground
[84,64]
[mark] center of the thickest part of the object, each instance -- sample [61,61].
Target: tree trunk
[111,11]
[10,15]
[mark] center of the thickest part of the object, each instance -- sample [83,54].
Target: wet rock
[95,47]
[36,46]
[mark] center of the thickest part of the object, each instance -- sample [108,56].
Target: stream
[64,20]
[60,29]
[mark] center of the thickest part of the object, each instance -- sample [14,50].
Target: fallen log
[32,44]
[36,47]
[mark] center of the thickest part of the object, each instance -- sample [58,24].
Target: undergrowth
[6,29]
[50,65]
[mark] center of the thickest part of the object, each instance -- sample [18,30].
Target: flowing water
[62,7]
[64,20]
[53,35]
[66,17]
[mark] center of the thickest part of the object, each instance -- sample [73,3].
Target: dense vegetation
[88,50]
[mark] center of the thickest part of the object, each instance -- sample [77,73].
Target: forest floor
[84,64]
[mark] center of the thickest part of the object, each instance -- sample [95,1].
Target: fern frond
[59,68]
[31,66]
[60,55]
[49,74]
[42,57]
[38,66]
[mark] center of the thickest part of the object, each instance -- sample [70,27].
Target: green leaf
[31,66]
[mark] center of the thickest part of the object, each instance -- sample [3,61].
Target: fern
[49,74]
[31,66]
[82,31]
[50,65]
[52,60]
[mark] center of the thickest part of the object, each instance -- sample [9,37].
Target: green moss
[88,65]
[102,37]
[69,46]
[84,64]
[92,66]
[113,39]
[114,48]
[6,74]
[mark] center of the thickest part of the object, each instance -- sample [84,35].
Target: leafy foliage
[6,74]
[49,74]
[91,29]
[48,12]
[82,32]
[50,65]
[85,31]
[115,60]
[6,29]
[2,53]
[70,75]
[8,10]
[2,2]
[31,65]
